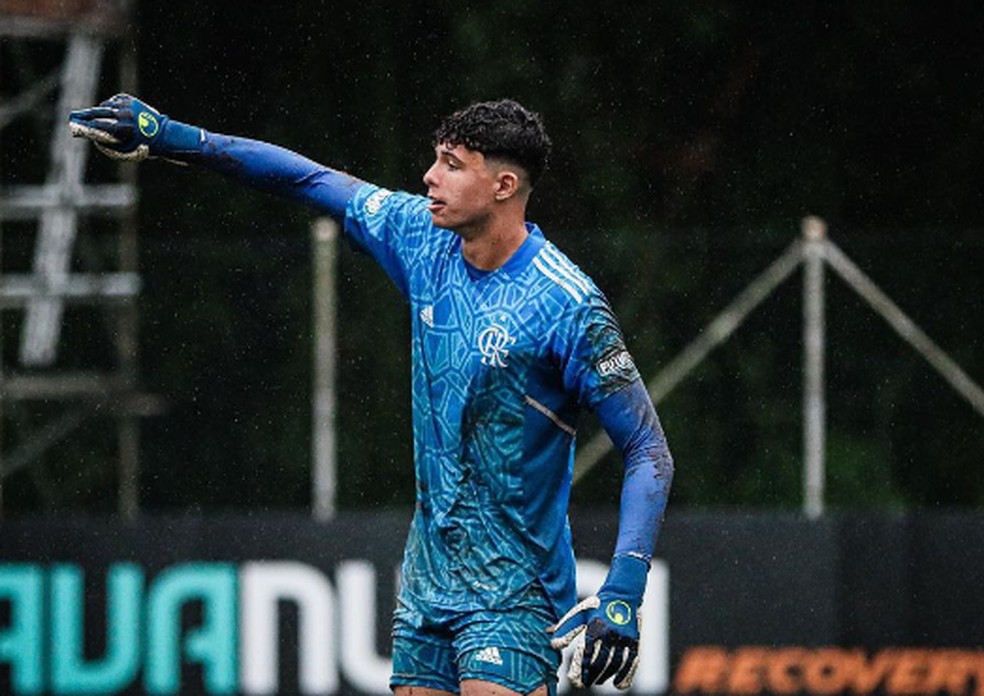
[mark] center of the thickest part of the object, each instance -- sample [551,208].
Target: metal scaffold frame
[814,251]
[58,208]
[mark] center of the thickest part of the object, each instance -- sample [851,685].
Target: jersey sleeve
[271,168]
[594,360]
[391,226]
[598,368]
[629,418]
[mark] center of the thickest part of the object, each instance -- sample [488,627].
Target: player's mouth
[436,205]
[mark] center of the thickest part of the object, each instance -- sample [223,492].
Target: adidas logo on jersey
[490,655]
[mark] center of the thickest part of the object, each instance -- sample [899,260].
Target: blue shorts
[509,647]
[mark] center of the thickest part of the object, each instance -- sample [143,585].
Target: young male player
[510,340]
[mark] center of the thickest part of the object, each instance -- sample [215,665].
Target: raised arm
[125,128]
[610,619]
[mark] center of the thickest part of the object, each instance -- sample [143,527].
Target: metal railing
[814,251]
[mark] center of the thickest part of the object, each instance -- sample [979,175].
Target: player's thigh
[478,687]
[509,649]
[419,691]
[423,659]
[469,687]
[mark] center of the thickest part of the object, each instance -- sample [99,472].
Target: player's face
[461,185]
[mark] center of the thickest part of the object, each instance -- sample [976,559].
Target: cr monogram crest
[494,344]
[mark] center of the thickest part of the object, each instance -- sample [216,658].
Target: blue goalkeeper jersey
[502,363]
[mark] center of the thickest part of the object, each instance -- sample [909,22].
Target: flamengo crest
[494,344]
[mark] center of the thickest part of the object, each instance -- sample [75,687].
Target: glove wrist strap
[626,577]
[179,138]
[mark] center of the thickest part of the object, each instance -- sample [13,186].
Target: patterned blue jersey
[502,363]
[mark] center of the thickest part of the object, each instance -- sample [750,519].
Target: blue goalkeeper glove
[125,128]
[604,628]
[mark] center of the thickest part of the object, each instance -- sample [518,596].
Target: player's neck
[490,248]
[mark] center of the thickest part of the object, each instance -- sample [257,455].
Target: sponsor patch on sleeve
[374,202]
[619,363]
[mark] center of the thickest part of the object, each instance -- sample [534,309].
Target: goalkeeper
[510,341]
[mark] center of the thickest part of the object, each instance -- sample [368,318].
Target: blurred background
[158,352]
[690,141]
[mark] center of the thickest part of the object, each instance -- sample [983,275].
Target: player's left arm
[629,418]
[605,627]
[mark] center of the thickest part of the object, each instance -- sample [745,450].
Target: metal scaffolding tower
[62,213]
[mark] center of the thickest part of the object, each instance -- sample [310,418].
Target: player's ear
[507,184]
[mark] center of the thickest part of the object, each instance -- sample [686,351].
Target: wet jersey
[502,363]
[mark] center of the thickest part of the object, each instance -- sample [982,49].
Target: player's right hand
[122,127]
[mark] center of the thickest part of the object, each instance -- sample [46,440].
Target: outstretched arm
[609,621]
[126,128]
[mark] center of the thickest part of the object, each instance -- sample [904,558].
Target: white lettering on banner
[366,670]
[653,675]
[263,586]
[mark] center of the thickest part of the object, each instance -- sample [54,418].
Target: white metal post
[2,390]
[59,224]
[814,406]
[323,477]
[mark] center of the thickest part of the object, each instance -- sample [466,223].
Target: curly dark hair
[501,129]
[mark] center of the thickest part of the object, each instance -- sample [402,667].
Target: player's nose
[429,179]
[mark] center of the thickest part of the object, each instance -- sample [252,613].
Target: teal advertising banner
[736,604]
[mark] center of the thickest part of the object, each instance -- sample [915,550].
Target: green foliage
[690,139]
